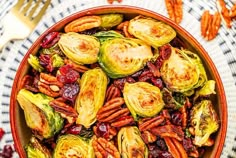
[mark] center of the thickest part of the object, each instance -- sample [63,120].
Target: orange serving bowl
[21,133]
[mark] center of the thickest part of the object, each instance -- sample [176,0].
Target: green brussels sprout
[121,57]
[205,121]
[182,72]
[57,61]
[73,146]
[35,150]
[111,20]
[80,48]
[155,33]
[207,89]
[34,62]
[143,99]
[93,86]
[39,115]
[107,35]
[130,143]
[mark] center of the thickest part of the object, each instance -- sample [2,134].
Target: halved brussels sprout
[93,86]
[207,89]
[205,121]
[35,150]
[107,35]
[155,33]
[121,57]
[34,62]
[130,143]
[182,72]
[39,115]
[80,48]
[111,20]
[143,99]
[69,146]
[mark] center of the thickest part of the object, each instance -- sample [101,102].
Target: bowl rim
[116,8]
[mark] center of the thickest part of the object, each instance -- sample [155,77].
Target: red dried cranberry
[119,83]
[69,91]
[157,82]
[75,129]
[155,71]
[2,132]
[161,144]
[7,152]
[178,43]
[159,62]
[103,129]
[188,144]
[46,62]
[50,39]
[176,118]
[165,51]
[67,74]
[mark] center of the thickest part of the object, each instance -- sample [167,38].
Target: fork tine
[42,11]
[19,4]
[26,8]
[30,15]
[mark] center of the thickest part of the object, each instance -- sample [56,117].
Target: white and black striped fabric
[222,51]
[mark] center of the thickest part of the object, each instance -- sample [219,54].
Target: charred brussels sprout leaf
[121,57]
[107,35]
[181,72]
[93,86]
[130,143]
[80,48]
[206,90]
[111,20]
[34,62]
[173,101]
[204,120]
[73,146]
[39,115]
[35,150]
[155,33]
[143,99]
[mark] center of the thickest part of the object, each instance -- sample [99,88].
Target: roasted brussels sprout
[181,72]
[111,20]
[34,62]
[73,146]
[205,121]
[206,90]
[93,86]
[35,150]
[121,57]
[143,99]
[39,115]
[155,33]
[130,143]
[57,61]
[80,48]
[107,35]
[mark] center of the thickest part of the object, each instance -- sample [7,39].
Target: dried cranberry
[155,71]
[188,144]
[46,62]
[165,51]
[67,74]
[75,129]
[161,144]
[103,129]
[178,43]
[157,82]
[69,91]
[7,152]
[119,83]
[159,62]
[50,39]
[2,132]
[176,118]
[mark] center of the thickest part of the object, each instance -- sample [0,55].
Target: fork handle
[13,28]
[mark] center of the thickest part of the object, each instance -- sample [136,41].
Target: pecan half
[210,25]
[30,83]
[49,85]
[232,12]
[112,92]
[104,148]
[148,137]
[124,27]
[175,10]
[169,130]
[175,148]
[83,23]
[65,110]
[224,12]
[150,123]
[76,67]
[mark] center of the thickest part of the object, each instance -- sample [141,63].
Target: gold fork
[21,20]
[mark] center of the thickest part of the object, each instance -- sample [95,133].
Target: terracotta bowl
[21,133]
